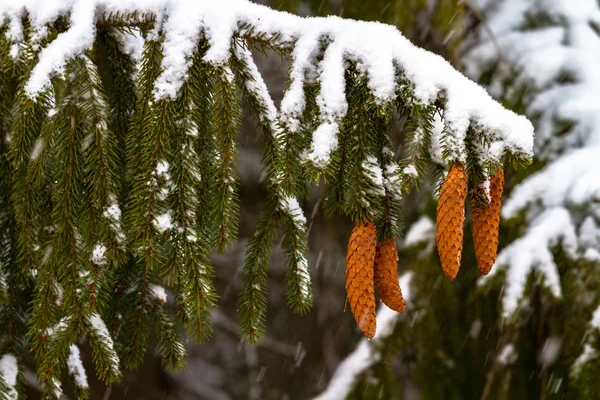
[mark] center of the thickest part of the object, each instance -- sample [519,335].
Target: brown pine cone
[486,220]
[450,218]
[386,275]
[360,262]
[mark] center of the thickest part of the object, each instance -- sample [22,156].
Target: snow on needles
[75,367]
[100,334]
[532,253]
[9,370]
[589,353]
[380,52]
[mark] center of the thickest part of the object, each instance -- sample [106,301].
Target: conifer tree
[119,165]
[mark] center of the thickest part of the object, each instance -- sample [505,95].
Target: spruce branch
[148,173]
[298,290]
[189,257]
[295,248]
[170,349]
[226,119]
[252,300]
[103,349]
[394,187]
[364,185]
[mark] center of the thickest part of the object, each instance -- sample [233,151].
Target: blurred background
[456,340]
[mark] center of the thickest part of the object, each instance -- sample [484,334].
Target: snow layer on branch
[378,50]
[572,181]
[532,253]
[100,332]
[367,352]
[9,369]
[132,43]
[589,353]
[158,293]
[75,367]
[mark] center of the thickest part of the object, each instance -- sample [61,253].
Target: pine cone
[486,220]
[360,262]
[386,275]
[450,218]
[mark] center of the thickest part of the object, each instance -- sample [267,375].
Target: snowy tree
[543,61]
[119,161]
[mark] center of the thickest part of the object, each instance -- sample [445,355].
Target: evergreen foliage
[531,329]
[115,181]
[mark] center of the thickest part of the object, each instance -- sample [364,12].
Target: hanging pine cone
[360,262]
[486,203]
[450,218]
[386,275]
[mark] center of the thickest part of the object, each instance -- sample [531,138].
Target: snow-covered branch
[381,53]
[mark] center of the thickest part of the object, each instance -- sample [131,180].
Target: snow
[574,48]
[531,253]
[59,328]
[411,171]
[588,354]
[375,175]
[324,141]
[378,50]
[113,215]
[98,257]
[74,41]
[595,322]
[162,170]
[75,367]
[392,181]
[367,352]
[508,355]
[290,206]
[258,87]
[159,293]
[9,369]
[550,351]
[163,222]
[39,146]
[113,212]
[435,148]
[132,43]
[571,182]
[422,231]
[57,388]
[101,334]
